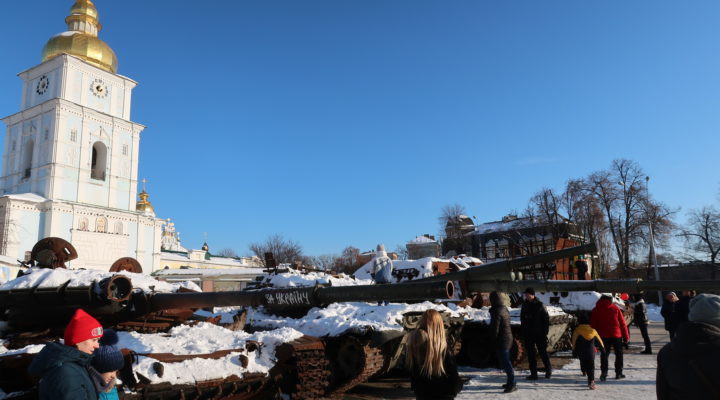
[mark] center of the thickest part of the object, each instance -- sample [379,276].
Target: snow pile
[338,318]
[202,339]
[577,301]
[43,277]
[423,266]
[295,278]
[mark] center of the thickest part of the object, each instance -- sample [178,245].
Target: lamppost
[653,256]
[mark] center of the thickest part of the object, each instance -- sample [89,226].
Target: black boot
[532,377]
[619,375]
[548,374]
[603,377]
[510,389]
[646,351]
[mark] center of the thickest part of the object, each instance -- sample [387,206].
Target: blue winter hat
[107,357]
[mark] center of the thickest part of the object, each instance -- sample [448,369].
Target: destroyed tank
[36,312]
[302,366]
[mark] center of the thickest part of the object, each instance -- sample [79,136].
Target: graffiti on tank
[288,298]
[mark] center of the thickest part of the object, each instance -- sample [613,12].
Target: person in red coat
[608,320]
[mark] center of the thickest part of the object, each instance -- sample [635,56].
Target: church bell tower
[73,139]
[70,162]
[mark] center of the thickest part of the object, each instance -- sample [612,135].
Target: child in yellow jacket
[584,341]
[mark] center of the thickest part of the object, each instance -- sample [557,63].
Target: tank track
[302,369]
[373,362]
[313,369]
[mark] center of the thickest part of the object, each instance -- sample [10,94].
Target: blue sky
[342,123]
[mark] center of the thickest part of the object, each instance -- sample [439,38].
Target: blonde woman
[433,372]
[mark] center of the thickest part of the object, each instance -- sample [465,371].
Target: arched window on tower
[119,228]
[27,159]
[99,161]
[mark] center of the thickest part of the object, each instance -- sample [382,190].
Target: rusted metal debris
[53,252]
[126,264]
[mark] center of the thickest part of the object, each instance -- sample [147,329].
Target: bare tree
[347,262]
[227,252]
[323,261]
[449,220]
[584,211]
[284,250]
[702,233]
[545,206]
[401,252]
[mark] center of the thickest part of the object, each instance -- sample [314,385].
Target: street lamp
[652,238]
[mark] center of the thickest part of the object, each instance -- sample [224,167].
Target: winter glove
[625,344]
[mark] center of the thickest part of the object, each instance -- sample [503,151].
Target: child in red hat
[64,368]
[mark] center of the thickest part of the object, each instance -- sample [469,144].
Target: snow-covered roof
[216,260]
[32,197]
[502,226]
[209,271]
[422,240]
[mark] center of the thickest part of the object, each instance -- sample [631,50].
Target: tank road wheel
[126,264]
[53,252]
[350,358]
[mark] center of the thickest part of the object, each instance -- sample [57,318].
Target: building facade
[70,160]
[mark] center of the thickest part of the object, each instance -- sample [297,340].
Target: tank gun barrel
[115,289]
[303,297]
[616,286]
[503,270]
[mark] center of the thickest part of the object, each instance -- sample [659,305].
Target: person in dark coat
[640,319]
[535,324]
[64,368]
[687,366]
[609,321]
[682,307]
[502,338]
[582,269]
[585,340]
[669,313]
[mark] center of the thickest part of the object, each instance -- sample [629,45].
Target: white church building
[70,158]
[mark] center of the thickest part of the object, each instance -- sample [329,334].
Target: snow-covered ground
[569,384]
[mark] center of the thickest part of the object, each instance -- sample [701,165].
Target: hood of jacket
[604,303]
[586,331]
[695,339]
[55,354]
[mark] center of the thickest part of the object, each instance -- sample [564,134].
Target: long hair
[427,345]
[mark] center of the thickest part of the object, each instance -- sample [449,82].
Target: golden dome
[143,205]
[81,39]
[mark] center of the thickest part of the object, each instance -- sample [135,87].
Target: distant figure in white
[382,266]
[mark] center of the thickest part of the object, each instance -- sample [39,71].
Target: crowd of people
[685,369]
[85,365]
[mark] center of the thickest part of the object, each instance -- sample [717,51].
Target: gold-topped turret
[143,205]
[81,39]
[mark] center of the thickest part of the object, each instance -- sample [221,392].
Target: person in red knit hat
[63,368]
